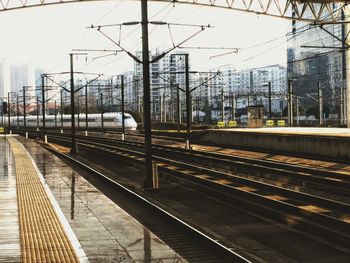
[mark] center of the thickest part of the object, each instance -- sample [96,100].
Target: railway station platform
[50,213]
[317,142]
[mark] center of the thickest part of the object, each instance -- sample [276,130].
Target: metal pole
[345,56]
[188,102]
[37,113]
[61,110]
[55,114]
[148,181]
[123,105]
[207,113]
[160,108]
[233,104]
[290,103]
[341,113]
[8,112]
[2,111]
[24,111]
[78,112]
[86,111]
[346,60]
[102,122]
[270,101]
[164,107]
[43,105]
[74,146]
[17,113]
[178,109]
[222,105]
[297,110]
[197,108]
[320,102]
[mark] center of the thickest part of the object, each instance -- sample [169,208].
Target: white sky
[45,35]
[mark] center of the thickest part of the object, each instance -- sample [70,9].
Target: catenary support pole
[297,108]
[178,113]
[101,106]
[55,114]
[17,106]
[24,112]
[346,63]
[222,105]
[290,103]
[148,181]
[188,102]
[8,112]
[270,101]
[74,146]
[37,113]
[123,105]
[43,76]
[233,105]
[61,110]
[320,104]
[86,110]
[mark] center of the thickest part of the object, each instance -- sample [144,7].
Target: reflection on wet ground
[105,231]
[9,230]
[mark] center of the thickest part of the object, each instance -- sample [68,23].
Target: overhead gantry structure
[311,11]
[306,10]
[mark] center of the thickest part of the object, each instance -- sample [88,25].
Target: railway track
[316,215]
[258,169]
[191,243]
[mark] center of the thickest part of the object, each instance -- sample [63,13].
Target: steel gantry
[305,10]
[316,12]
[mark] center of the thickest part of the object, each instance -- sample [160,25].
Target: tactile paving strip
[41,234]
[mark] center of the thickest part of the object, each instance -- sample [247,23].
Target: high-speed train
[110,120]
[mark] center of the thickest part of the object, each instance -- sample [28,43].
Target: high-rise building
[164,75]
[315,60]
[4,78]
[21,75]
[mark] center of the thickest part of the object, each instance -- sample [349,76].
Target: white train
[110,120]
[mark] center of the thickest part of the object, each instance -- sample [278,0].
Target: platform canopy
[307,10]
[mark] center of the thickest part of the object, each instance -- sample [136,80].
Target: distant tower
[4,78]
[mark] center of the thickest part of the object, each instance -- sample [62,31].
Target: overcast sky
[45,35]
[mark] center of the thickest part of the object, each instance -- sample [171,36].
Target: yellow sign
[232,124]
[281,123]
[2,129]
[269,123]
[221,124]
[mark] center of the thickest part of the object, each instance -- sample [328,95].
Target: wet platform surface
[105,231]
[10,250]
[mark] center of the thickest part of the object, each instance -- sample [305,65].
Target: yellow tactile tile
[41,234]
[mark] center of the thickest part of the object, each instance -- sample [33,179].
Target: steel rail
[313,175]
[196,173]
[329,229]
[301,173]
[223,250]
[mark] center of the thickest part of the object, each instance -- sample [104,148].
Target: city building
[315,58]
[4,78]
[164,75]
